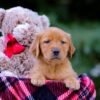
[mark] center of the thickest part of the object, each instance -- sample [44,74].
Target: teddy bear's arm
[3,58]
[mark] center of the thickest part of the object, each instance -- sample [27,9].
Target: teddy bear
[18,26]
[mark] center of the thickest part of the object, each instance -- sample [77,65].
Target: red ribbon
[12,46]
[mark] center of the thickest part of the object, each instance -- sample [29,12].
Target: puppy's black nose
[55,51]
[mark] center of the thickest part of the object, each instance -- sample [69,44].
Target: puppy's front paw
[38,81]
[72,83]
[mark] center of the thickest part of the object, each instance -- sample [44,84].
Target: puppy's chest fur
[52,72]
[57,72]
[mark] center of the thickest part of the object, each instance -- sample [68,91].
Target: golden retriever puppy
[52,49]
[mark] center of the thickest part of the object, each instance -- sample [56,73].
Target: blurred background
[81,18]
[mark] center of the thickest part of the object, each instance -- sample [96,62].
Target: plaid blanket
[12,88]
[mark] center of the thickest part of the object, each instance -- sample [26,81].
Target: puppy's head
[53,44]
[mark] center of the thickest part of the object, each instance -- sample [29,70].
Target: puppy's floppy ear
[71,48]
[35,46]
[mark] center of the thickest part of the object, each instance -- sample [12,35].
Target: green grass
[84,32]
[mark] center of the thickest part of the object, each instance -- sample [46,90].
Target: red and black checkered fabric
[12,88]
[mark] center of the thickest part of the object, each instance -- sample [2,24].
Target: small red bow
[12,46]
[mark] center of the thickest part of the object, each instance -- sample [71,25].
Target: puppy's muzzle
[55,52]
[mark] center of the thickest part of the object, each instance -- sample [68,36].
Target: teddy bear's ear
[2,14]
[45,21]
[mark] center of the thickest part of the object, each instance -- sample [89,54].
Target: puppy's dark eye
[63,42]
[47,41]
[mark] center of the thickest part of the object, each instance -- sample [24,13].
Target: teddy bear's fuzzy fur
[23,24]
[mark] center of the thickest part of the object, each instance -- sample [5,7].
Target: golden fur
[49,66]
